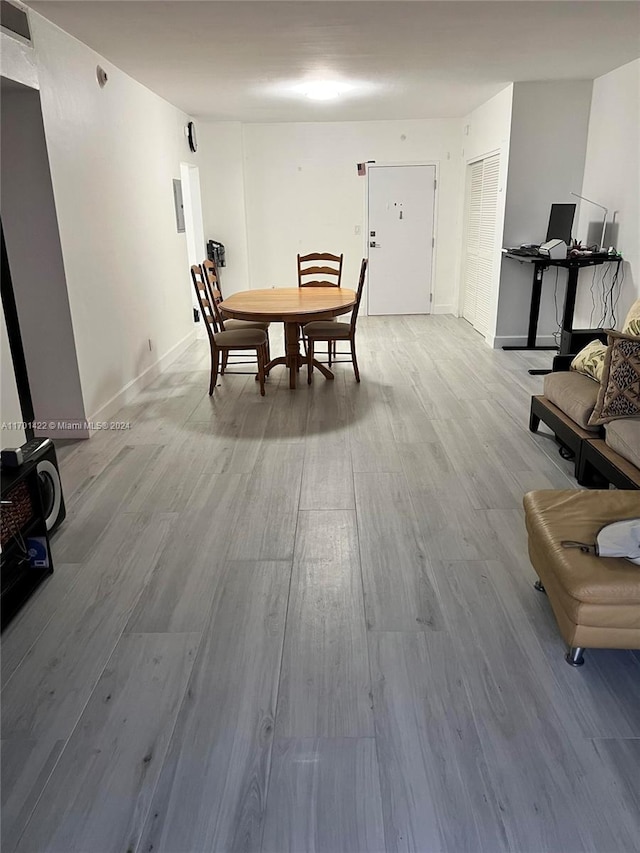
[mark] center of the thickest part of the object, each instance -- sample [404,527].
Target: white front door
[400,238]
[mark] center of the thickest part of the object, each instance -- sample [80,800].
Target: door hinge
[435,183]
[430,298]
[433,242]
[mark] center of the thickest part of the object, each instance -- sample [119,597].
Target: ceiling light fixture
[323,90]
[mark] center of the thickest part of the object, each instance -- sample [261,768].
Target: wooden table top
[289,304]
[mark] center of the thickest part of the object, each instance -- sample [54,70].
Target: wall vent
[14,20]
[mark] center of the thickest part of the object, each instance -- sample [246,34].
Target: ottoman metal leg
[574,656]
[539,586]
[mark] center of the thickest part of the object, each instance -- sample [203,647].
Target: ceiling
[239,60]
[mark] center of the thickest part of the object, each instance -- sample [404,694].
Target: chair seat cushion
[325,329]
[585,579]
[574,394]
[623,436]
[236,325]
[240,338]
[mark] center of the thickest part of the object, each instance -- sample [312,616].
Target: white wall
[303,193]
[37,271]
[113,155]
[612,178]
[546,162]
[223,205]
[487,131]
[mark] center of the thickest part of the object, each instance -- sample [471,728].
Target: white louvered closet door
[480,230]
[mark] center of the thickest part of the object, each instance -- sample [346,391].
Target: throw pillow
[590,360]
[632,321]
[619,394]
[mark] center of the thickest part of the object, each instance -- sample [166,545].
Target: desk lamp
[602,207]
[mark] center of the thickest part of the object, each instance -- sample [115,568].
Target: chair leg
[215,357]
[352,341]
[262,360]
[268,347]
[330,345]
[574,656]
[309,349]
[225,360]
[534,422]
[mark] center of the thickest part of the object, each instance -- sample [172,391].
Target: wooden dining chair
[215,295]
[222,341]
[323,264]
[211,273]
[329,268]
[327,330]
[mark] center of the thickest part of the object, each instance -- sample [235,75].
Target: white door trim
[436,164]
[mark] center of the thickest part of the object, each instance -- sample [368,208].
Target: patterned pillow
[590,360]
[619,394]
[632,322]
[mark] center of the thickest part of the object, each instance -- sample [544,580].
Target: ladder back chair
[323,264]
[215,294]
[221,341]
[327,330]
[211,274]
[329,269]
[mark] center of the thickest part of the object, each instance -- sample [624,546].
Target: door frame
[434,235]
[475,159]
[193,219]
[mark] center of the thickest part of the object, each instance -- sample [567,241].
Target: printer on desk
[555,250]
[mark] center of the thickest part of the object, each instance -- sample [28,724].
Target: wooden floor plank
[267,511]
[212,791]
[20,635]
[96,504]
[435,790]
[324,683]
[399,593]
[49,689]
[191,566]
[564,800]
[324,797]
[99,792]
[327,478]
[27,764]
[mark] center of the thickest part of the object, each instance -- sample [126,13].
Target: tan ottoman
[596,600]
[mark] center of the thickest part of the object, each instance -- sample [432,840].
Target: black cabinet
[26,553]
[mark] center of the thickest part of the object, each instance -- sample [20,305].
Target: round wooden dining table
[293,306]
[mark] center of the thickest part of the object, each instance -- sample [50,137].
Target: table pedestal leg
[294,359]
[292,349]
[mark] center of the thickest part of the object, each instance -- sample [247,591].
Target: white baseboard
[132,388]
[443,309]
[72,432]
[521,341]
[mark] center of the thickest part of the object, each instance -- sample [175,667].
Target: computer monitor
[561,222]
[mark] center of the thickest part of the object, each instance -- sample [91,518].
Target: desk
[293,306]
[568,337]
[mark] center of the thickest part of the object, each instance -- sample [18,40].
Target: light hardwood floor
[306,623]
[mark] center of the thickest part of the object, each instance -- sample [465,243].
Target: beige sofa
[596,600]
[603,455]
